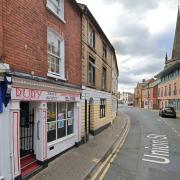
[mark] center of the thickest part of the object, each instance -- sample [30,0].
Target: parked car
[167,112]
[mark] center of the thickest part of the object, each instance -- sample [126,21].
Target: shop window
[57,7]
[55,55]
[70,116]
[60,120]
[102,108]
[51,121]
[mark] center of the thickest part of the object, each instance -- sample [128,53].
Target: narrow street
[151,150]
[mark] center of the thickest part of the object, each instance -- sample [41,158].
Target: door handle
[38,137]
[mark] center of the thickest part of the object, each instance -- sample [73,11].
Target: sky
[141,31]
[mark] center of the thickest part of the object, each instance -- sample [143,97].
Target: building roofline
[88,13]
[169,69]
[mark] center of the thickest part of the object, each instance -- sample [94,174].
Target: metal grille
[26,129]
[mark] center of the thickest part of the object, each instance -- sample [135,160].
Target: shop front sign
[39,95]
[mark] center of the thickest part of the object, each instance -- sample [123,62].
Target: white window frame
[91,36]
[57,10]
[60,75]
[66,121]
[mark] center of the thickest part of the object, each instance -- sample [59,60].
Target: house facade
[169,86]
[40,79]
[99,77]
[150,94]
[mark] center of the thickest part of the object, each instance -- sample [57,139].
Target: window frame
[53,74]
[102,108]
[66,122]
[59,7]
[91,63]
[104,49]
[91,36]
[104,78]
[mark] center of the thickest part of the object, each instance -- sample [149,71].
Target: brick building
[150,94]
[99,77]
[41,54]
[169,86]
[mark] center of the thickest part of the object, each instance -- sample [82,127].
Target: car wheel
[174,117]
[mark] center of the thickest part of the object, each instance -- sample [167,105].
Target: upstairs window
[169,90]
[91,37]
[162,92]
[165,91]
[91,72]
[103,78]
[57,7]
[104,55]
[55,54]
[175,89]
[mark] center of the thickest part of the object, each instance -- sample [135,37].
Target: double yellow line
[103,169]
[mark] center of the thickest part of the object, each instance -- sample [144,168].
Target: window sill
[59,17]
[92,48]
[91,86]
[60,140]
[56,76]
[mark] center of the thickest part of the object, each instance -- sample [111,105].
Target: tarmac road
[151,150]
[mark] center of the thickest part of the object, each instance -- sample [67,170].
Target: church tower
[176,45]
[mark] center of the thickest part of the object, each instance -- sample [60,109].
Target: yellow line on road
[114,156]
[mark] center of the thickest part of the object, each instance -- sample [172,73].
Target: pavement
[78,163]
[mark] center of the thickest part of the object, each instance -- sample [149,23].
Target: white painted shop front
[43,123]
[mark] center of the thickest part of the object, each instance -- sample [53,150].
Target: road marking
[159,149]
[95,160]
[107,163]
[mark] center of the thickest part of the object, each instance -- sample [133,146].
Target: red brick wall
[25,37]
[71,32]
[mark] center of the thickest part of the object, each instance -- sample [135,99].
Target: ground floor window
[60,120]
[102,108]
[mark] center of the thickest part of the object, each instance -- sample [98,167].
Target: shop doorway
[26,129]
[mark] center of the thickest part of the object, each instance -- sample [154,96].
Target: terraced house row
[58,79]
[164,90]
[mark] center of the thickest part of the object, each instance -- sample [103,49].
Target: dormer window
[56,7]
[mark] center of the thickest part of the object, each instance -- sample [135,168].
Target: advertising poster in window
[51,126]
[61,124]
[60,116]
[70,122]
[70,114]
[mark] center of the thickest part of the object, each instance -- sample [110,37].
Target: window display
[60,120]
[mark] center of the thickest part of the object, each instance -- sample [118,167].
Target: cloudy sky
[142,31]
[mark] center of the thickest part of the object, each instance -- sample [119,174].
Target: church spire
[176,45]
[166,58]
